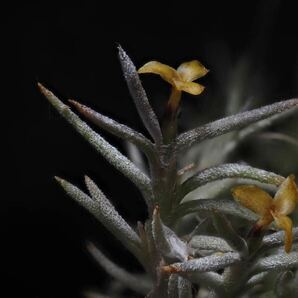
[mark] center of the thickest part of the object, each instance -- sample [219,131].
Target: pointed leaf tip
[139,96]
[58,179]
[43,89]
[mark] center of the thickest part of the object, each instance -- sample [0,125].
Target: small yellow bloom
[180,79]
[277,209]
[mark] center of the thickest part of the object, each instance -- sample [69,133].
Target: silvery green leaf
[139,96]
[227,232]
[204,242]
[226,206]
[278,262]
[277,238]
[224,171]
[262,124]
[171,247]
[111,154]
[230,123]
[105,212]
[210,263]
[120,130]
[173,286]
[133,282]
[184,288]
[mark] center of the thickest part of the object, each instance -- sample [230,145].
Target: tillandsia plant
[192,245]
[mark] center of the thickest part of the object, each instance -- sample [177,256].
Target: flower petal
[166,72]
[189,87]
[286,198]
[192,70]
[253,198]
[285,223]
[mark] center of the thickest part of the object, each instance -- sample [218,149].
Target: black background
[72,49]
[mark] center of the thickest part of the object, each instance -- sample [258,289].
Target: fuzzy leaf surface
[109,152]
[230,123]
[120,130]
[279,262]
[224,171]
[105,212]
[139,96]
[204,242]
[205,264]
[225,206]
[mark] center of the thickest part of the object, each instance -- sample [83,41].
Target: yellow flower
[277,209]
[180,79]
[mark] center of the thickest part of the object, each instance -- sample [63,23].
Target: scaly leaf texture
[280,262]
[204,242]
[110,153]
[277,238]
[230,123]
[225,206]
[232,170]
[184,288]
[139,96]
[205,264]
[105,212]
[120,130]
[173,286]
[133,282]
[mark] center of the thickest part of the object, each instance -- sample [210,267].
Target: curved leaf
[139,96]
[230,123]
[224,171]
[110,153]
[225,206]
[120,130]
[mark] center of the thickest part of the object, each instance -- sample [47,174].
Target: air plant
[197,240]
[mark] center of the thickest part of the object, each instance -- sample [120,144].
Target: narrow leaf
[279,262]
[224,171]
[120,130]
[139,96]
[203,242]
[171,247]
[173,286]
[135,283]
[111,154]
[205,264]
[277,238]
[225,206]
[261,125]
[230,123]
[105,212]
[184,288]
